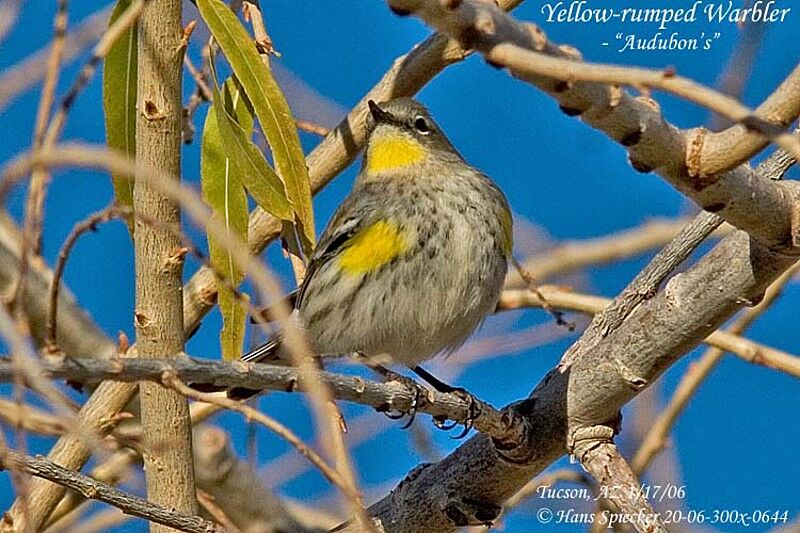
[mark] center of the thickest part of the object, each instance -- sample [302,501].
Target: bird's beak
[378,114]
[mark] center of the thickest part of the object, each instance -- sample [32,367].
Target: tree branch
[558,298]
[76,332]
[158,316]
[619,485]
[95,490]
[392,395]
[469,486]
[237,488]
[653,442]
[739,195]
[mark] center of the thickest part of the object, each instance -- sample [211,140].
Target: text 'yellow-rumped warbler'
[415,257]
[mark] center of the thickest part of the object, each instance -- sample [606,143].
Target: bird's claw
[411,412]
[473,412]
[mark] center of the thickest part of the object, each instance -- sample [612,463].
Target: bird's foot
[473,409]
[473,412]
[416,390]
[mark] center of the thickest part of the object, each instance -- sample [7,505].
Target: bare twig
[31,419]
[90,224]
[746,349]
[311,127]
[36,194]
[53,68]
[619,485]
[656,437]
[34,205]
[201,95]
[568,256]
[271,424]
[533,287]
[26,73]
[40,467]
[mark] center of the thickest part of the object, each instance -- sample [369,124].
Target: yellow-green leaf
[270,107]
[257,176]
[223,190]
[119,101]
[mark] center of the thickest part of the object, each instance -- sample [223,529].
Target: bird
[415,257]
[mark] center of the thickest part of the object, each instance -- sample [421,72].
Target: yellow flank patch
[393,150]
[373,247]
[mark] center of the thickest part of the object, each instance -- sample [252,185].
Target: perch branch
[391,395]
[469,486]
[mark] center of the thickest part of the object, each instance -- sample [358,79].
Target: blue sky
[733,447]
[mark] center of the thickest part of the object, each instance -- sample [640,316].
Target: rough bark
[158,316]
[470,485]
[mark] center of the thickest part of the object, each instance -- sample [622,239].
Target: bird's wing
[335,237]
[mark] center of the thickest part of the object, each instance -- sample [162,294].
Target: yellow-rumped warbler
[415,257]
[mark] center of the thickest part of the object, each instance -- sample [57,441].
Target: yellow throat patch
[391,150]
[373,247]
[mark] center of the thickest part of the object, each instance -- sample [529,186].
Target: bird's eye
[422,126]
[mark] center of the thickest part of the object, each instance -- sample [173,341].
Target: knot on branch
[537,34]
[169,377]
[174,262]
[633,380]
[463,511]
[583,439]
[694,153]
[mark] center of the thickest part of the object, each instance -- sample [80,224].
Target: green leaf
[223,190]
[119,101]
[270,107]
[255,173]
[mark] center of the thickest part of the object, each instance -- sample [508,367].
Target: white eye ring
[421,125]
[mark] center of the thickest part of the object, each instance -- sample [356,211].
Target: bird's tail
[264,353]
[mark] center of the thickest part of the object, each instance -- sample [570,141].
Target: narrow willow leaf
[270,107]
[119,101]
[257,176]
[223,190]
